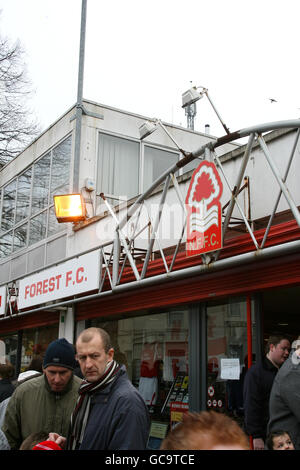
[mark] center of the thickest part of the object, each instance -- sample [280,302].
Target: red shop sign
[204,210]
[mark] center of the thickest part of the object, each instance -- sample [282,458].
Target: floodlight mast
[79,104]
[190,112]
[189,99]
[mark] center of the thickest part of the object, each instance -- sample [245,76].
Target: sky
[140,56]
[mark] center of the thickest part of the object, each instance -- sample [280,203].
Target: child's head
[279,440]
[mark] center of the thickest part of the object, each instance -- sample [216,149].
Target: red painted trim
[235,281]
[23,322]
[249,331]
[281,233]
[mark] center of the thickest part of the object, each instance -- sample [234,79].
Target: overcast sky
[141,56]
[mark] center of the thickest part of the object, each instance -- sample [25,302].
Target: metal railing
[121,251]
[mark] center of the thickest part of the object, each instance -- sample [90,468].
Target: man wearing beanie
[44,403]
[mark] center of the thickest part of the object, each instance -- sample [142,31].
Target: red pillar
[249,343]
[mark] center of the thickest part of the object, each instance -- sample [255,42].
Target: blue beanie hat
[60,353]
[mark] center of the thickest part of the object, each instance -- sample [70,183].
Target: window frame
[142,146]
[31,215]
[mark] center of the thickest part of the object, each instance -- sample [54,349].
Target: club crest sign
[204,210]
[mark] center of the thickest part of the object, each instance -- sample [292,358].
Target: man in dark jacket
[110,413]
[6,374]
[284,399]
[257,389]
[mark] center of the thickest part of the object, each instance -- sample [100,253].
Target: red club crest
[204,211]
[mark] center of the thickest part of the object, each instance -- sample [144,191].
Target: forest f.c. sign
[204,210]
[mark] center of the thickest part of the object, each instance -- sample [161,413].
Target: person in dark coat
[110,413]
[257,389]
[284,399]
[6,374]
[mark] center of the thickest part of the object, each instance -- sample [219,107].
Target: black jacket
[118,419]
[6,389]
[257,389]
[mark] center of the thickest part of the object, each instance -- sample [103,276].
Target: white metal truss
[208,152]
[126,266]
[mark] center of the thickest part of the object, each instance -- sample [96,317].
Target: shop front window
[227,356]
[154,349]
[35,342]
[11,347]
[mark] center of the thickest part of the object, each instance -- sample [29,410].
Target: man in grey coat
[285,398]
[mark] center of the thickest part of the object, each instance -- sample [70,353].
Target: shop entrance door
[227,354]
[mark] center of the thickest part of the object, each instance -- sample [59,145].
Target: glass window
[38,226]
[35,343]
[23,196]
[20,237]
[60,170]
[40,190]
[156,161]
[53,226]
[154,349]
[6,244]
[8,206]
[227,355]
[28,195]
[118,166]
[11,347]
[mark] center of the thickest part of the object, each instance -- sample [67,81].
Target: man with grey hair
[285,397]
[110,414]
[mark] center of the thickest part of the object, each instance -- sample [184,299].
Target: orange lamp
[69,208]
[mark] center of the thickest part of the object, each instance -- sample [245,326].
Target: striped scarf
[81,412]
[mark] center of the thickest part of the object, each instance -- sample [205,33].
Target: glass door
[228,336]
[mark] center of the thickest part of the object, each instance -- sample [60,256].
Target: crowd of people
[96,408]
[55,405]
[270,396]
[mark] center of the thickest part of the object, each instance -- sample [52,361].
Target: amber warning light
[69,208]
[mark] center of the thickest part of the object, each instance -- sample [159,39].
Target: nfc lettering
[202,242]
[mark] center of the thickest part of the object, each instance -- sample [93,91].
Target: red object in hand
[47,445]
